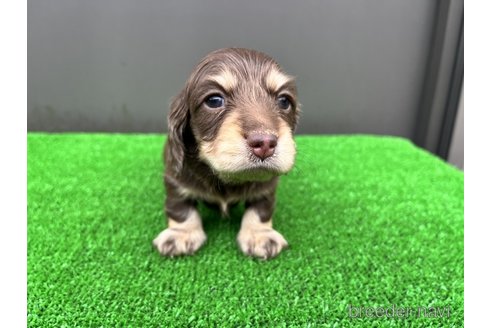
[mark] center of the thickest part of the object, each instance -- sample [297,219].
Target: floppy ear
[178,120]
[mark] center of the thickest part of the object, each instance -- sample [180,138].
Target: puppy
[230,138]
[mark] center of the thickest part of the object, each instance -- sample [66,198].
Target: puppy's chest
[222,200]
[219,197]
[224,197]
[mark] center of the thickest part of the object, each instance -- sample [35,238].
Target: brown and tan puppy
[230,137]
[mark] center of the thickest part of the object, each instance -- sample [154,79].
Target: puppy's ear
[178,121]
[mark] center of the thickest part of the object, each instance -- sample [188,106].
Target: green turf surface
[371,221]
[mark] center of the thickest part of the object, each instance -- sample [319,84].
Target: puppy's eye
[283,102]
[215,101]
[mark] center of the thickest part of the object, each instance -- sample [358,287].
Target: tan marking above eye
[275,79]
[225,79]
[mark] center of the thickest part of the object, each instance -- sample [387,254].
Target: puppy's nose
[263,145]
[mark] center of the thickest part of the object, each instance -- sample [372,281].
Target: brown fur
[206,155]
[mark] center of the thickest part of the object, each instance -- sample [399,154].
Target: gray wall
[114,65]
[457,148]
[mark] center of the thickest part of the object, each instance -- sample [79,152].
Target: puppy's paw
[175,241]
[262,243]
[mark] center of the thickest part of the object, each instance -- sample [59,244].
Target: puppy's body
[197,181]
[230,137]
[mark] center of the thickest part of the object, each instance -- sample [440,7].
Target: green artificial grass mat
[371,221]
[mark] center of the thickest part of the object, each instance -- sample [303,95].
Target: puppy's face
[242,111]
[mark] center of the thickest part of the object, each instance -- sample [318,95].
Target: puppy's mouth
[255,173]
[252,170]
[236,158]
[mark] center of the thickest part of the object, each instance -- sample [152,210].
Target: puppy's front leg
[184,234]
[257,237]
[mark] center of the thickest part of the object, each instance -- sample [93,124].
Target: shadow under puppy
[230,137]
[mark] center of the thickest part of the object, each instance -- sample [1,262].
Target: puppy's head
[239,110]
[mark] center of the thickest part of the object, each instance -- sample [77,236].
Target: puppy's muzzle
[262,145]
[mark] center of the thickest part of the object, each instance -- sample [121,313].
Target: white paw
[263,243]
[178,241]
